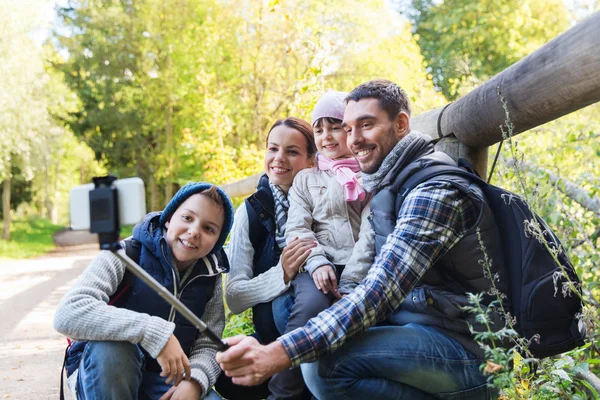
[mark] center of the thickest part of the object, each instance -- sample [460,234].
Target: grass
[28,238]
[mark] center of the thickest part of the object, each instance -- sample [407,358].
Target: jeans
[282,308]
[114,370]
[398,362]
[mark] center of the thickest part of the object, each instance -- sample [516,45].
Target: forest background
[180,90]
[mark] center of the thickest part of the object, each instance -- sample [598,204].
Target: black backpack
[538,307]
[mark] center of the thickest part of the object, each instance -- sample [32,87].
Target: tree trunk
[47,205]
[169,138]
[6,207]
[55,197]
[153,192]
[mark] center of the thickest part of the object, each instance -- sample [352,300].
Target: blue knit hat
[190,189]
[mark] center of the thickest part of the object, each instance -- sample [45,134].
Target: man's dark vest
[438,297]
[195,294]
[261,227]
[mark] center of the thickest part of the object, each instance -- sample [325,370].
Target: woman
[262,266]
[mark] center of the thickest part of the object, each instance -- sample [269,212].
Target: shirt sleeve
[300,222]
[243,290]
[84,313]
[362,255]
[432,219]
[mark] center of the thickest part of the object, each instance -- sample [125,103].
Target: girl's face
[286,155]
[330,139]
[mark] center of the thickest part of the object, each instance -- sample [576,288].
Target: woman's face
[286,155]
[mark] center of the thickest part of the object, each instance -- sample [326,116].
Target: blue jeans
[398,362]
[114,370]
[282,308]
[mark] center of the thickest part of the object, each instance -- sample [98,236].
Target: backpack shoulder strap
[431,172]
[133,248]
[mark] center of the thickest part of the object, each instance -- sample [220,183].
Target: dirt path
[31,352]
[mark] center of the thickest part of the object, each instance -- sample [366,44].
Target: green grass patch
[240,324]
[28,238]
[126,231]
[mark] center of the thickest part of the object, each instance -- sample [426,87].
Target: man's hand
[184,391]
[250,363]
[325,280]
[294,255]
[174,362]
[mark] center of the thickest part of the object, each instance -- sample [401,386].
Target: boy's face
[194,229]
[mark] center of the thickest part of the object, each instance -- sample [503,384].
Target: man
[427,258]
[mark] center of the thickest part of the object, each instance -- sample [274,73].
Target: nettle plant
[512,368]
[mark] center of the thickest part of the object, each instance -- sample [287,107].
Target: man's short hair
[391,97]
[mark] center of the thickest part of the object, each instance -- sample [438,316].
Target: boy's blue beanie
[190,189]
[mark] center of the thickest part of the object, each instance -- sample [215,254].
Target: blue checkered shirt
[432,219]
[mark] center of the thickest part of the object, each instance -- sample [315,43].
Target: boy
[131,349]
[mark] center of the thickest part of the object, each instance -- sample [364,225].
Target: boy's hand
[184,391]
[293,257]
[174,362]
[325,280]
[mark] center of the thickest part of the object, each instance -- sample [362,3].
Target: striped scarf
[282,205]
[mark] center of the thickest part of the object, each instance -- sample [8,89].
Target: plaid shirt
[432,219]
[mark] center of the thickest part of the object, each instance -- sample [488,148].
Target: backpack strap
[437,170]
[133,249]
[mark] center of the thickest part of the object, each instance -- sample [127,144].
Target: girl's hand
[325,280]
[294,256]
[174,362]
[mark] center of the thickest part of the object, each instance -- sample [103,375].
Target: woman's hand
[325,280]
[294,256]
[174,362]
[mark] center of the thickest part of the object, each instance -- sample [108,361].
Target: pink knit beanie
[330,105]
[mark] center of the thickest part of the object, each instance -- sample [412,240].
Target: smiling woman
[262,266]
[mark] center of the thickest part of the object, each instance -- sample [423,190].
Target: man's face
[371,133]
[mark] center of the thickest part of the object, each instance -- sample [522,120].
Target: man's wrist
[279,356]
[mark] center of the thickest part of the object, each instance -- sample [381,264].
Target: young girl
[328,206]
[143,349]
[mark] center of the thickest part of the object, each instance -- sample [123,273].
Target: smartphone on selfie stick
[101,207]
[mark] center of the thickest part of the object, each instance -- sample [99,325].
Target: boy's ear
[167,224]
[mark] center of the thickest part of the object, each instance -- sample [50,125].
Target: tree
[465,43]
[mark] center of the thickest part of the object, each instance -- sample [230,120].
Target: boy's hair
[214,195]
[301,126]
[392,99]
[212,192]
[319,123]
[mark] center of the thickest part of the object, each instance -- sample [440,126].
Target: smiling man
[410,337]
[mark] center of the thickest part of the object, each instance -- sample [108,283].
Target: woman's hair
[319,123]
[301,126]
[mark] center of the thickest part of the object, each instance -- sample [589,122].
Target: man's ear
[167,224]
[401,125]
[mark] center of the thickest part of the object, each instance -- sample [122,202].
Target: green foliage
[238,324]
[465,42]
[556,377]
[30,237]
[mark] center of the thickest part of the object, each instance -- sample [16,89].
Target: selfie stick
[104,220]
[169,298]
